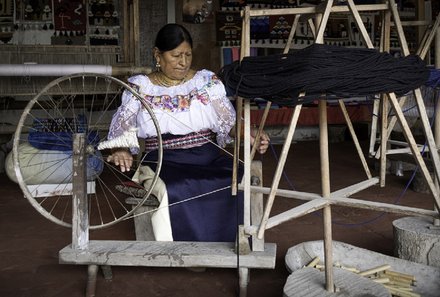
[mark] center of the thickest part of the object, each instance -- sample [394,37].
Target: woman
[193,113]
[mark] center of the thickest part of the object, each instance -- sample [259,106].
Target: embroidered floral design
[181,102]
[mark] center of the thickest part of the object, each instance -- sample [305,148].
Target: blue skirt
[197,171]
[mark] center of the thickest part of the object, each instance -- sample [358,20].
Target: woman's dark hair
[171,36]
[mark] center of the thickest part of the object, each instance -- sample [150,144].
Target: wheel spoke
[79,103]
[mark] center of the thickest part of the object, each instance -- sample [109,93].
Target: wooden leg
[243,242]
[92,271]
[243,275]
[107,272]
[142,223]
[257,202]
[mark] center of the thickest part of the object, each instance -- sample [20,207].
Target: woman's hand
[264,140]
[121,158]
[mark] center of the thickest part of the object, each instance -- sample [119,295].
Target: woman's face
[175,63]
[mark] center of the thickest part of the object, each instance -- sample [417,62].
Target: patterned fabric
[200,104]
[70,15]
[179,102]
[181,142]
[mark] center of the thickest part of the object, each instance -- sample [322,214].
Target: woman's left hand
[264,140]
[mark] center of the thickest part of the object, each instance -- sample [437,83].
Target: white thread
[182,201]
[127,140]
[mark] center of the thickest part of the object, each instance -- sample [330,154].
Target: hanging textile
[70,22]
[104,24]
[6,20]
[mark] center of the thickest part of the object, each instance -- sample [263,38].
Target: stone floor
[30,243]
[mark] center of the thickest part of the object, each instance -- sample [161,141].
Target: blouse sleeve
[223,108]
[125,117]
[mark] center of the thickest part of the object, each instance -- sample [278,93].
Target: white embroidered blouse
[196,105]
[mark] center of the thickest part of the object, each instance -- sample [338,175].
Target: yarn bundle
[323,72]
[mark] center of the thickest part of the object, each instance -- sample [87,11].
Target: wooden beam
[167,254]
[314,10]
[80,205]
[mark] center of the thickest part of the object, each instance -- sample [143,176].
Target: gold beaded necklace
[162,80]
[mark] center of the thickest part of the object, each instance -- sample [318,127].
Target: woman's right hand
[122,158]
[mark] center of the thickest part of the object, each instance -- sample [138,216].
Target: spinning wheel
[42,151]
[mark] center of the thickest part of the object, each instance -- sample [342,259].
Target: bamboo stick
[355,139]
[291,34]
[396,274]
[313,262]
[381,280]
[278,172]
[375,270]
[401,293]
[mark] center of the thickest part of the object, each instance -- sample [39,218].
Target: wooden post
[437,105]
[325,186]
[136,45]
[247,163]
[385,47]
[80,218]
[126,22]
[245,50]
[383,139]
[321,22]
[92,271]
[131,33]
[420,11]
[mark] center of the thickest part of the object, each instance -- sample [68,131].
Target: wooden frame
[341,197]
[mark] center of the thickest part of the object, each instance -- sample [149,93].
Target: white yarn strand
[127,140]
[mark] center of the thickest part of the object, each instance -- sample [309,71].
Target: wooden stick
[321,21]
[375,270]
[400,288]
[278,172]
[381,280]
[355,139]
[383,140]
[400,275]
[247,163]
[313,262]
[401,293]
[291,33]
[403,284]
[260,128]
[360,24]
[136,33]
[414,149]
[352,269]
